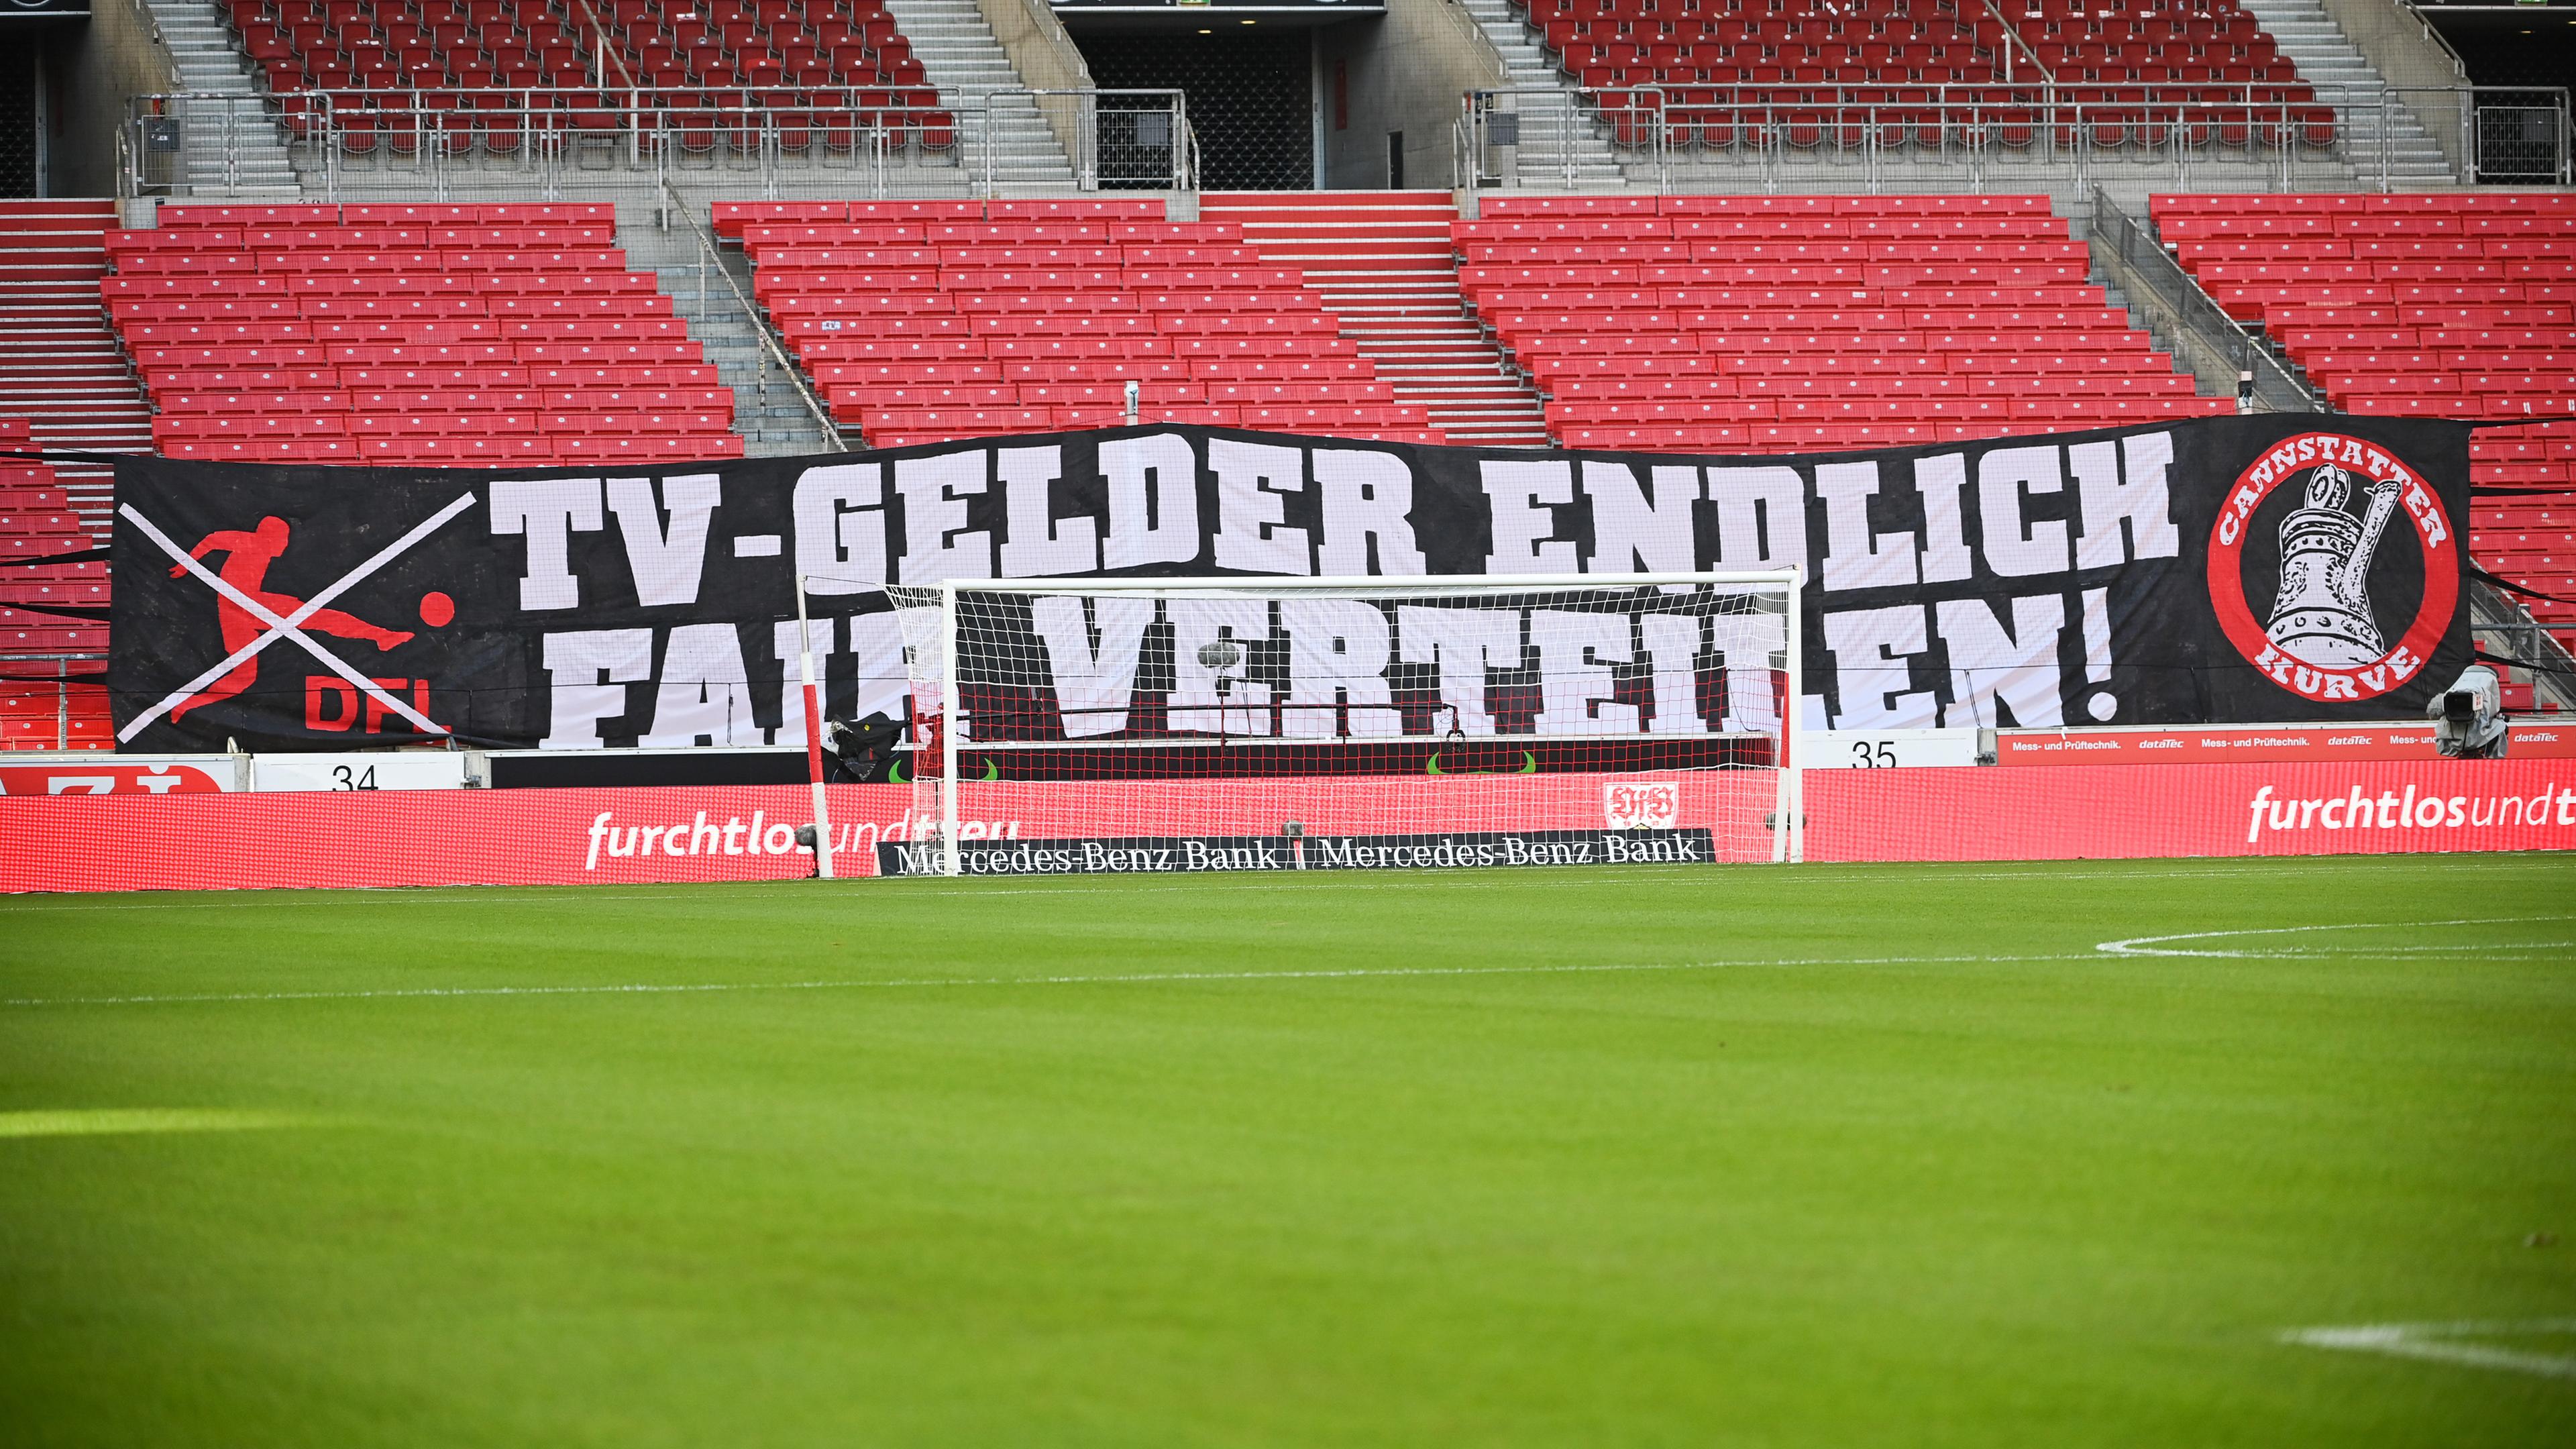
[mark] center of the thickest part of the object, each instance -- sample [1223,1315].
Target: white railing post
[1565,120]
[984,145]
[949,725]
[2385,184]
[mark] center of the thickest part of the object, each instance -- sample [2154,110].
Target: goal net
[1258,723]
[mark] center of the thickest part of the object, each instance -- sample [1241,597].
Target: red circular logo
[2322,642]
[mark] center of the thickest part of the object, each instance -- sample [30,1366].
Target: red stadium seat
[1829,320]
[471,313]
[924,321]
[2394,305]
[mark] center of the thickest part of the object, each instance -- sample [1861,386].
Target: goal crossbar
[1275,584]
[955,726]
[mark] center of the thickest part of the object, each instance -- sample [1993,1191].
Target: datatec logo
[2364,578]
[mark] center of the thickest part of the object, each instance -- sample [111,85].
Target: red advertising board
[418,837]
[2222,745]
[553,837]
[105,774]
[2096,812]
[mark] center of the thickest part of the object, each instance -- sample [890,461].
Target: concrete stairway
[959,53]
[229,144]
[1562,146]
[1384,262]
[2328,60]
[60,366]
[773,421]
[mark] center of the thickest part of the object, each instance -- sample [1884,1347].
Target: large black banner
[2252,569]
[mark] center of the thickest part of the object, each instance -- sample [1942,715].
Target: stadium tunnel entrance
[1250,91]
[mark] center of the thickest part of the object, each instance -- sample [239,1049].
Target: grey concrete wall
[2411,56]
[1045,57]
[1405,71]
[118,54]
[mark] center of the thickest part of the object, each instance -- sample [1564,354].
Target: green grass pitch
[1833,1156]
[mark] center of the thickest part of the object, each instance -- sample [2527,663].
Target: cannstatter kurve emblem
[2348,496]
[2322,614]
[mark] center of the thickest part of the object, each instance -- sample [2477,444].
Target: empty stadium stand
[62,386]
[431,334]
[49,662]
[922,321]
[1807,322]
[500,75]
[2445,305]
[1740,74]
[60,369]
[1383,263]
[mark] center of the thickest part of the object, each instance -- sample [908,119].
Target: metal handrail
[1478,107]
[2552,98]
[1973,122]
[2492,611]
[1651,125]
[433,122]
[62,682]
[773,352]
[2035,93]
[1978,129]
[601,44]
[1485,43]
[160,43]
[142,108]
[545,123]
[2154,274]
[1086,164]
[2433,33]
[640,109]
[2021,43]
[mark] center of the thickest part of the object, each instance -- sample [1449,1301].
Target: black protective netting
[18,121]
[1250,97]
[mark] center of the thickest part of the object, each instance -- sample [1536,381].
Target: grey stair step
[1394,287]
[59,402]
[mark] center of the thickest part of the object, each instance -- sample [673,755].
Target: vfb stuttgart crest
[2334,501]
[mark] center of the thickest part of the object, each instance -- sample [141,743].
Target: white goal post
[1258,722]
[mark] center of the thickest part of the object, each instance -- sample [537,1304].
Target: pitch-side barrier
[119,827]
[91,772]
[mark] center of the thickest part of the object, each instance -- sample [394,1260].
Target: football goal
[1257,723]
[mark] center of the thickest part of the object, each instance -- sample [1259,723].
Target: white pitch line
[105,1121]
[2152,945]
[2439,1343]
[1139,978]
[2484,950]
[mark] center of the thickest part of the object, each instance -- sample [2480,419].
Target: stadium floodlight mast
[1642,683]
